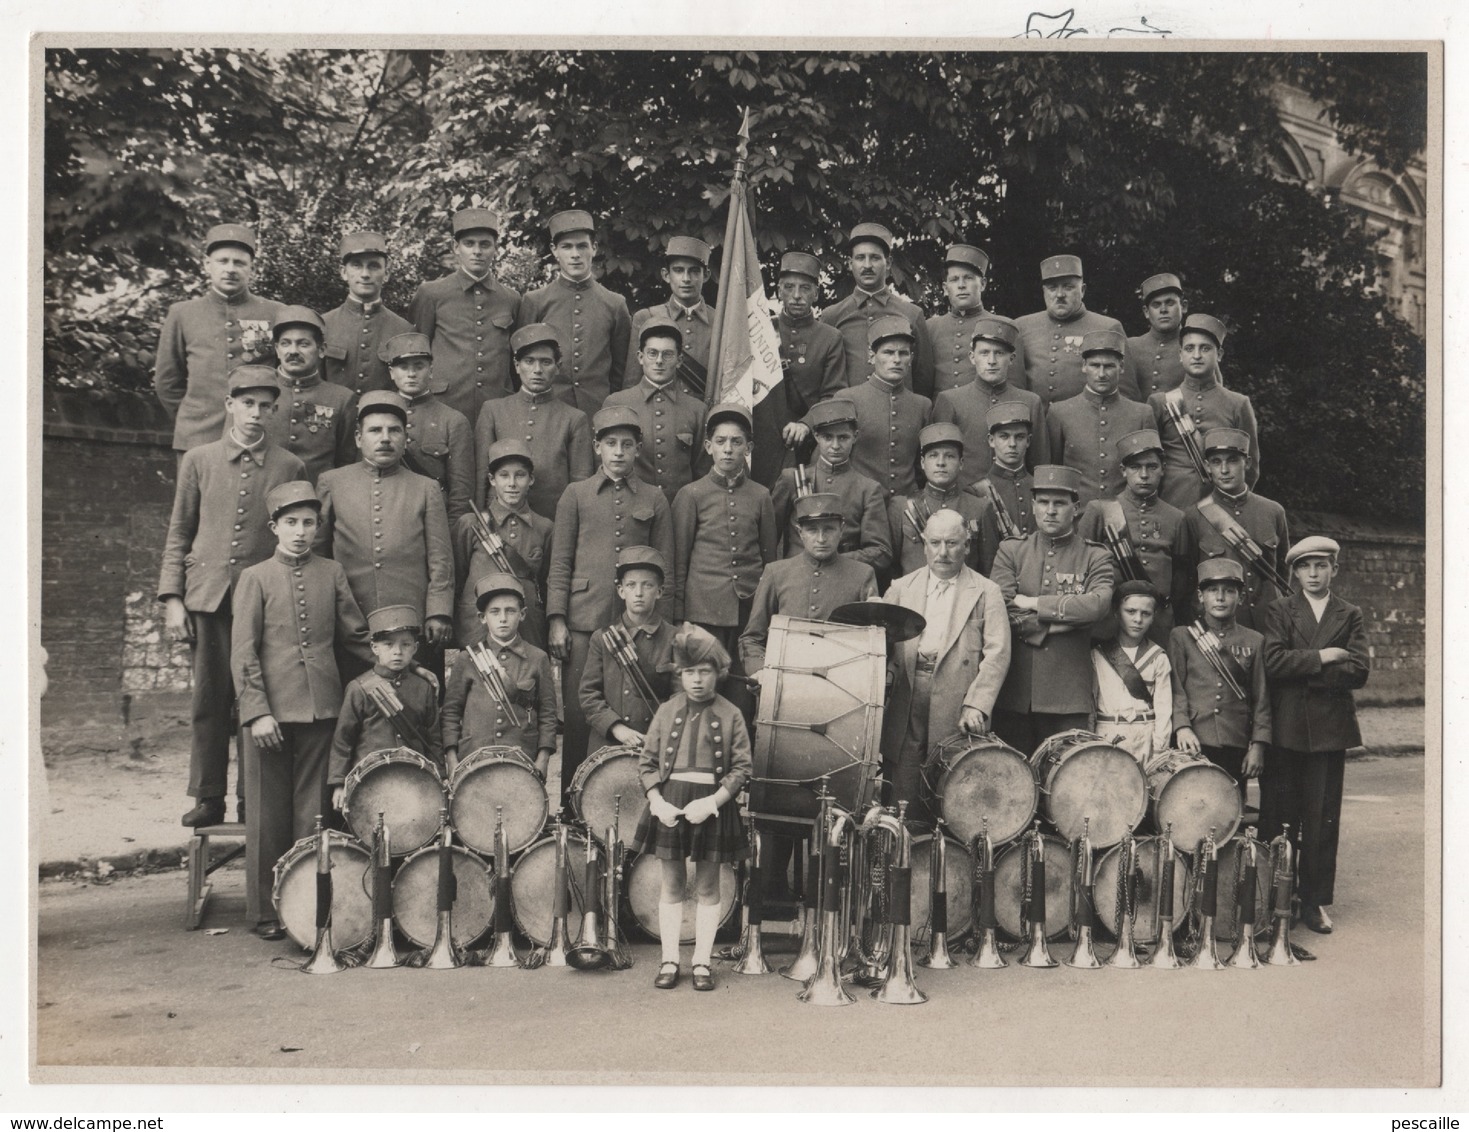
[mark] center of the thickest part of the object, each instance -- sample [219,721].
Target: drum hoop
[595,761]
[306,846]
[485,756]
[387,756]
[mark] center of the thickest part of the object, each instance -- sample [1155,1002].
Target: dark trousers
[1025,731]
[1303,789]
[734,688]
[285,790]
[576,732]
[1232,761]
[213,707]
[903,768]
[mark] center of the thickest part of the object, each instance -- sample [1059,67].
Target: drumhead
[1195,796]
[959,876]
[987,780]
[405,788]
[1093,779]
[645,886]
[1226,922]
[1010,890]
[416,896]
[1145,922]
[608,773]
[497,777]
[294,891]
[533,888]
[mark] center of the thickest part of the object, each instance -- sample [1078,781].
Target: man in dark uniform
[1050,340]
[1154,361]
[869,252]
[313,418]
[685,270]
[889,414]
[672,416]
[1083,430]
[356,329]
[1006,491]
[591,321]
[952,334]
[941,456]
[468,316]
[440,444]
[814,361]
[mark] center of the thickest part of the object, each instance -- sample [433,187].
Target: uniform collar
[1225,497]
[372,469]
[1062,540]
[574,284]
[676,310]
[1153,336]
[366,310]
[727,481]
[538,398]
[467,280]
[965,316]
[516,645]
[254,452]
[230,300]
[649,629]
[1096,398]
[1005,473]
[648,389]
[832,469]
[630,482]
[1199,384]
[291,559]
[931,492]
[1066,321]
[795,323]
[306,381]
[423,399]
[984,386]
[499,512]
[1139,504]
[812,564]
[880,296]
[388,674]
[891,388]
[1220,633]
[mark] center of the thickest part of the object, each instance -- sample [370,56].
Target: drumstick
[392,710]
[489,540]
[492,674]
[625,653]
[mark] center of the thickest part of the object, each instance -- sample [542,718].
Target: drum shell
[644,886]
[402,785]
[503,777]
[1145,925]
[958,873]
[1196,796]
[1226,922]
[416,896]
[533,888]
[820,713]
[294,891]
[1083,776]
[608,772]
[1009,887]
[969,778]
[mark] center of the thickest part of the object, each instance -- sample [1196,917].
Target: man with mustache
[313,418]
[1049,350]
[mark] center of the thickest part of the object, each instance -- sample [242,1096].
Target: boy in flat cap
[941,458]
[468,316]
[685,270]
[292,613]
[1185,414]
[220,526]
[313,418]
[672,416]
[356,329]
[889,414]
[992,357]
[952,334]
[869,251]
[440,444]
[1009,510]
[1154,360]
[1049,349]
[1083,430]
[203,339]
[1132,684]
[1057,586]
[557,434]
[864,516]
[1315,655]
[592,321]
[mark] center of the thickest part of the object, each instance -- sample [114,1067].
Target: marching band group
[546,484]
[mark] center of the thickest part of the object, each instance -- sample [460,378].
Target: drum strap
[1137,687]
[1220,658]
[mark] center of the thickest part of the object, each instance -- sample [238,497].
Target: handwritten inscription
[1062,25]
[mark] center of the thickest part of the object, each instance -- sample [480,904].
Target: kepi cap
[1221,569]
[1227,440]
[229,234]
[253,377]
[818,505]
[687,247]
[1104,341]
[1313,546]
[616,416]
[503,450]
[944,432]
[801,263]
[1008,413]
[837,410]
[967,255]
[488,585]
[996,328]
[534,334]
[1136,443]
[729,410]
[663,328]
[640,557]
[394,619]
[1206,323]
[1156,284]
[361,243]
[890,326]
[296,316]
[383,401]
[409,345]
[869,231]
[471,219]
[572,220]
[1060,267]
[1056,477]
[694,645]
[293,493]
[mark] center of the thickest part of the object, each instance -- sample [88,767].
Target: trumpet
[1164,957]
[808,955]
[590,952]
[1282,874]
[892,958]
[1245,872]
[988,957]
[1124,955]
[384,953]
[1037,953]
[323,959]
[1083,906]
[938,957]
[445,954]
[1207,957]
[751,958]
[502,951]
[837,833]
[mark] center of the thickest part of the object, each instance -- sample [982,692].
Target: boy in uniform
[1083,430]
[1154,360]
[440,445]
[889,414]
[941,455]
[672,416]
[356,329]
[685,270]
[1009,510]
[313,418]
[952,334]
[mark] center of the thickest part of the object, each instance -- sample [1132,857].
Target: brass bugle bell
[618,956]
[1207,956]
[938,957]
[824,987]
[1037,952]
[590,952]
[751,948]
[1246,873]
[1164,957]
[1124,955]
[384,952]
[554,953]
[1282,890]
[988,956]
[804,965]
[502,950]
[323,959]
[1083,908]
[445,955]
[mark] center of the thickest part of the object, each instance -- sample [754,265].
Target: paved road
[120,984]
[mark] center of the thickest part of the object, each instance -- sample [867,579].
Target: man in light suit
[948,676]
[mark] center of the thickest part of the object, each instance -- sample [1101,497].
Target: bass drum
[533,888]
[1083,776]
[820,713]
[959,875]
[971,778]
[1149,861]
[1226,921]
[609,774]
[405,788]
[1010,887]
[644,885]
[416,896]
[497,781]
[294,891]
[1195,796]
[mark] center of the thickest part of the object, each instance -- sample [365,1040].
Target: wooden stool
[200,866]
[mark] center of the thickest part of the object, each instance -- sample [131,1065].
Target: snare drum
[645,886]
[294,890]
[1226,925]
[405,788]
[972,777]
[1010,887]
[595,787]
[416,896]
[500,777]
[533,888]
[1084,776]
[1195,795]
[820,713]
[1149,866]
[959,875]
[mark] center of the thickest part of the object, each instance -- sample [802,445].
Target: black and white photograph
[737,562]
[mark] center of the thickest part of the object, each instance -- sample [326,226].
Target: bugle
[1282,891]
[988,956]
[1206,958]
[445,955]
[502,950]
[938,957]
[1246,866]
[1164,957]
[384,953]
[1124,955]
[1083,908]
[1037,952]
[323,959]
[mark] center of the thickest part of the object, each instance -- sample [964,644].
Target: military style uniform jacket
[441,447]
[290,613]
[1153,364]
[813,356]
[1310,703]
[1084,431]
[865,531]
[362,729]
[1163,541]
[468,322]
[528,536]
[967,407]
[952,335]
[890,418]
[673,433]
[595,520]
[1211,406]
[558,435]
[724,533]
[907,540]
[723,745]
[1050,662]
[220,522]
[1049,354]
[1202,701]
[388,529]
[353,333]
[696,324]
[472,719]
[1265,521]
[595,329]
[201,341]
[316,420]
[1013,488]
[802,587]
[608,697]
[858,311]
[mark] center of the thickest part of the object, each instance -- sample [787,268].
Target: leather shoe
[1317,920]
[270,929]
[703,977]
[207,811]
[667,977]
